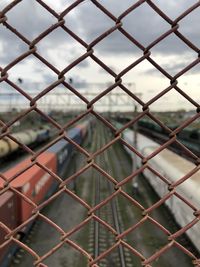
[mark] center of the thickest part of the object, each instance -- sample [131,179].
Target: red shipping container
[34,183]
[8,216]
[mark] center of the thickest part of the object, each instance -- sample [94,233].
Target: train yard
[99,133]
[109,217]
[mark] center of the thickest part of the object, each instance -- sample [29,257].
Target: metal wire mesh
[146,111]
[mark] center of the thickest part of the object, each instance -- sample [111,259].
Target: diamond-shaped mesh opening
[50,237]
[43,75]
[94,16]
[116,42]
[139,17]
[24,22]
[20,47]
[145,71]
[61,53]
[150,240]
[65,220]
[80,72]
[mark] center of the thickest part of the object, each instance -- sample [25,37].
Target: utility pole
[134,159]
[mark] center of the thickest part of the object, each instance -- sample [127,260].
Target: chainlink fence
[93,260]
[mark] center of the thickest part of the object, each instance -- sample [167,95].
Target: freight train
[189,137]
[36,184]
[27,137]
[172,167]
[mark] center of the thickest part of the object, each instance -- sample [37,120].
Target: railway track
[118,213]
[103,239]
[147,239]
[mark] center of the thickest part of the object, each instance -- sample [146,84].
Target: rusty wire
[90,53]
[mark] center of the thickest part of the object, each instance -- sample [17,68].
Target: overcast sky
[116,51]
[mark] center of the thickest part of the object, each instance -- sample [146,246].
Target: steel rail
[115,213]
[97,200]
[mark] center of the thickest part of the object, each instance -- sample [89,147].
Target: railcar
[189,137]
[84,126]
[64,149]
[5,146]
[8,221]
[36,184]
[42,135]
[173,167]
[28,137]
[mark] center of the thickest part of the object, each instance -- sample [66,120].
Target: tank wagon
[173,167]
[28,137]
[36,184]
[190,137]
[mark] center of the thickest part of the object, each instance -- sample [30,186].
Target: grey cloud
[143,23]
[173,69]
[88,22]
[30,19]
[12,47]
